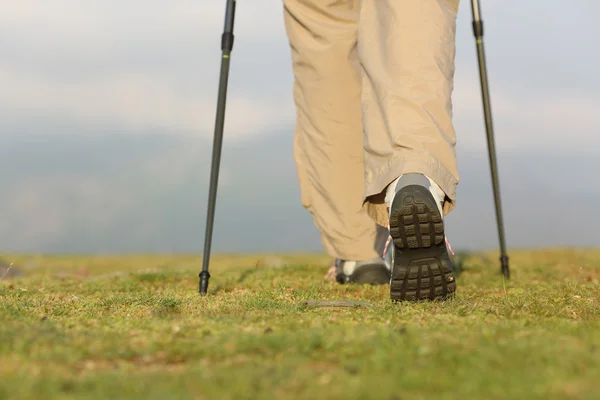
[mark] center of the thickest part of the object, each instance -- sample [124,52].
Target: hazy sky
[107,111]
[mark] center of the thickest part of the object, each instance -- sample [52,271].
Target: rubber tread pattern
[422,268]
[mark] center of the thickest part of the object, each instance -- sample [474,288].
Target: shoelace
[330,275]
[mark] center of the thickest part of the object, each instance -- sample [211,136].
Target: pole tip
[204,277]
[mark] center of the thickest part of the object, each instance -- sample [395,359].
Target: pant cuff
[374,203]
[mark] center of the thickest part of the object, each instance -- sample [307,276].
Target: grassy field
[135,328]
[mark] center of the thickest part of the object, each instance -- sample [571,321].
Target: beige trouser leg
[406,49]
[379,67]
[329,137]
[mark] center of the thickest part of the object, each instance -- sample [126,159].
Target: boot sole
[422,268]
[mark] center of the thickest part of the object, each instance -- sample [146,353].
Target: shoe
[368,272]
[375,271]
[421,267]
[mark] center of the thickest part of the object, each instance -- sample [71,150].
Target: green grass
[135,328]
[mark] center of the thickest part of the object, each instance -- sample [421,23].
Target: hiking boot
[369,272]
[421,266]
[375,271]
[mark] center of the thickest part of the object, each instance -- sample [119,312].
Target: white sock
[391,192]
[349,267]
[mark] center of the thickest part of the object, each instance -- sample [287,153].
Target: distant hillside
[124,193]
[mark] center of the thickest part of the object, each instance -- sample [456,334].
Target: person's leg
[406,49]
[328,141]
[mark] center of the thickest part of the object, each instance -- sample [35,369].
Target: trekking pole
[226,47]
[478,32]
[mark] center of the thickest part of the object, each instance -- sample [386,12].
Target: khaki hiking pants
[373,85]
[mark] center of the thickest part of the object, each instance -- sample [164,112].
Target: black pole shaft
[226,48]
[487,109]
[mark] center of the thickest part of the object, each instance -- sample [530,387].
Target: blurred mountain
[115,193]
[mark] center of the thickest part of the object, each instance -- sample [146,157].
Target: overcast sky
[107,112]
